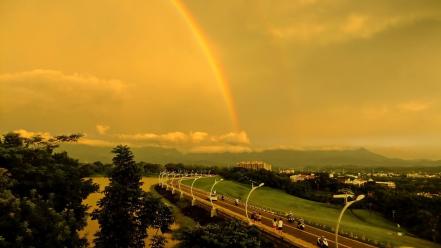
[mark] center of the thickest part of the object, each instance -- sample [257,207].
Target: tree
[228,234]
[125,211]
[158,241]
[41,193]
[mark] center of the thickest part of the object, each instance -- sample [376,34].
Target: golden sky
[226,75]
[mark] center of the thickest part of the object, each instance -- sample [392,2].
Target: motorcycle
[322,242]
[290,217]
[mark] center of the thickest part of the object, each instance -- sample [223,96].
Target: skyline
[226,76]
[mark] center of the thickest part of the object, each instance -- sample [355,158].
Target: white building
[254,165]
[301,177]
[388,184]
[357,182]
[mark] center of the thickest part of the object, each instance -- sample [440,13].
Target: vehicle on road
[322,242]
[212,197]
[301,224]
[290,217]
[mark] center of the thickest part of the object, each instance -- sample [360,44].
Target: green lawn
[361,222]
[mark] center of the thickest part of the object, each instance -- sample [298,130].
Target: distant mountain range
[281,158]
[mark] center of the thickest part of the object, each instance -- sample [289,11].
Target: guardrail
[228,214]
[282,213]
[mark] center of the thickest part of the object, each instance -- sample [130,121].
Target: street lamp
[349,203]
[248,197]
[159,178]
[213,209]
[172,185]
[180,190]
[193,199]
[167,174]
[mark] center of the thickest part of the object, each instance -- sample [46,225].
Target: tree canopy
[125,212]
[41,193]
[226,234]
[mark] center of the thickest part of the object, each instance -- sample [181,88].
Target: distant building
[389,184]
[301,177]
[286,171]
[429,195]
[419,175]
[254,165]
[357,182]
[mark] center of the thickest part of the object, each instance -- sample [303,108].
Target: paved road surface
[310,234]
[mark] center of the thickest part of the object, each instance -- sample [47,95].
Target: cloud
[192,141]
[200,142]
[51,90]
[355,24]
[28,134]
[335,29]
[199,136]
[220,149]
[102,129]
[85,140]
[414,106]
[383,110]
[232,138]
[342,21]
[192,137]
[97,142]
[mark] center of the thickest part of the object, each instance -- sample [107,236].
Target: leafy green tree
[41,193]
[158,241]
[228,234]
[125,211]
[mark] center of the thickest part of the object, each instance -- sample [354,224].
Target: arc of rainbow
[214,65]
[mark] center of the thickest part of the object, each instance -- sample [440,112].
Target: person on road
[322,242]
[275,224]
[259,217]
[319,241]
[253,216]
[223,197]
[280,226]
[236,202]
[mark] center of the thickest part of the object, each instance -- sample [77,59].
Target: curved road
[310,234]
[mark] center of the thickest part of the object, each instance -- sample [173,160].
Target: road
[310,234]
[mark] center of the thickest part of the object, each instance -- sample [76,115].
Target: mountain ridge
[281,158]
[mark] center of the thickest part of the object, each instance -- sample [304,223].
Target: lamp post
[193,200]
[349,203]
[213,209]
[179,184]
[248,197]
[167,174]
[172,185]
[159,178]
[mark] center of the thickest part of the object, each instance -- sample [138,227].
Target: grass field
[93,226]
[360,222]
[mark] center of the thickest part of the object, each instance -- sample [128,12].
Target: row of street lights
[196,176]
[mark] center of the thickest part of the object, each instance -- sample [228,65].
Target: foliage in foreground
[41,193]
[125,211]
[226,234]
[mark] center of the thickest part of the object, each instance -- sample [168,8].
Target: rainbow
[215,67]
